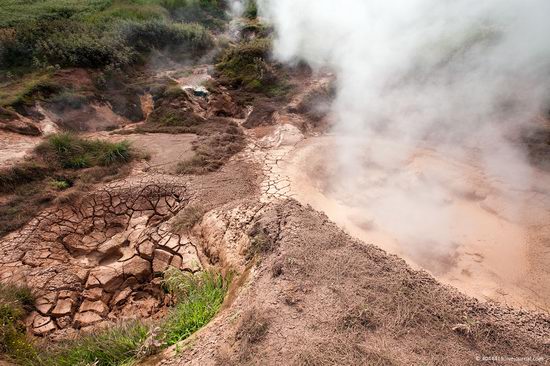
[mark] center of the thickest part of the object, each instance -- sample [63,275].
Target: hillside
[173,191]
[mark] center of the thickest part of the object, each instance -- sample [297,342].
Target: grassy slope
[198,299]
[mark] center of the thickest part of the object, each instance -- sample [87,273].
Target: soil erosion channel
[468,228]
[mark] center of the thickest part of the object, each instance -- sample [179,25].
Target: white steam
[457,76]
[236,8]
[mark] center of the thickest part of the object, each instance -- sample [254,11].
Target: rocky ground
[306,292]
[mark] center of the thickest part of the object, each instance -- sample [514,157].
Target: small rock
[146,249]
[87,318]
[137,267]
[45,303]
[107,276]
[42,325]
[121,296]
[93,294]
[96,306]
[161,260]
[64,322]
[63,307]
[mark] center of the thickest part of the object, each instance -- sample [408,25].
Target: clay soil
[306,292]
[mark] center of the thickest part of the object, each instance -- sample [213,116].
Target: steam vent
[274,182]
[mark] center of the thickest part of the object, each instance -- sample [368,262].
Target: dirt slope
[321,298]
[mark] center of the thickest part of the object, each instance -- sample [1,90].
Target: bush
[66,43]
[190,39]
[113,38]
[246,65]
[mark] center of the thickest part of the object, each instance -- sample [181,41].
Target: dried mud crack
[97,259]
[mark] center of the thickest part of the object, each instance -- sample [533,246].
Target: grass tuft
[73,152]
[15,304]
[187,218]
[199,297]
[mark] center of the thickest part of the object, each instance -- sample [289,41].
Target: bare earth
[310,288]
[498,236]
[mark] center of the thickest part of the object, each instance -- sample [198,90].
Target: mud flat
[469,228]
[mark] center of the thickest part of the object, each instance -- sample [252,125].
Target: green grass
[72,152]
[33,184]
[15,304]
[120,345]
[31,87]
[100,33]
[198,299]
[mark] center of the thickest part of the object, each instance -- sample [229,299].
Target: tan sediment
[490,244]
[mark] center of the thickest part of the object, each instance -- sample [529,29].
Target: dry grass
[344,351]
[341,302]
[252,330]
[187,218]
[213,151]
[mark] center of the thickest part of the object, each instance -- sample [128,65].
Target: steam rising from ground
[459,77]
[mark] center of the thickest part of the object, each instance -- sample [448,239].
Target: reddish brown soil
[322,298]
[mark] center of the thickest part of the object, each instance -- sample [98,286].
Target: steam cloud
[461,77]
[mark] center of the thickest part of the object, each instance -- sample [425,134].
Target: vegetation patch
[15,304]
[245,65]
[25,90]
[100,33]
[252,330]
[187,218]
[198,299]
[213,151]
[71,152]
[59,163]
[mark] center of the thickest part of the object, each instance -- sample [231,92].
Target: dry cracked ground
[309,294]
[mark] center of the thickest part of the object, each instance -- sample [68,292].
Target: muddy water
[469,228]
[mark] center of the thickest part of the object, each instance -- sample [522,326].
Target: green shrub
[190,39]
[60,184]
[246,65]
[66,43]
[251,10]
